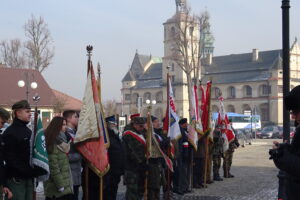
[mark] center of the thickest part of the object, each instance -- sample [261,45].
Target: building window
[159,97]
[264,112]
[173,32]
[173,79]
[248,91]
[135,97]
[231,92]
[172,67]
[217,92]
[230,108]
[127,97]
[147,96]
[265,90]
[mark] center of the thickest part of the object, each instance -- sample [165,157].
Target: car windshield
[267,129]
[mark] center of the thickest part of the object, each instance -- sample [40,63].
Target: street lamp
[149,104]
[22,83]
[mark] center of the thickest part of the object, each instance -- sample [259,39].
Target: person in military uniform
[228,155]
[116,160]
[4,116]
[17,150]
[156,176]
[134,144]
[209,143]
[217,152]
[129,125]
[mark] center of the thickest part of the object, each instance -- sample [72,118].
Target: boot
[217,177]
[226,173]
[229,174]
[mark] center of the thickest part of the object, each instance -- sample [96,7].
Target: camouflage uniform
[228,158]
[217,152]
[135,163]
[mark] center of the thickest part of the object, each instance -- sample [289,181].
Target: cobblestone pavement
[255,177]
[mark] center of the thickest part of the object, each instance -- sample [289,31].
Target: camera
[277,153]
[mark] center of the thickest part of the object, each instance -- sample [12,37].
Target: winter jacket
[17,151]
[60,174]
[289,162]
[116,154]
[75,158]
[2,173]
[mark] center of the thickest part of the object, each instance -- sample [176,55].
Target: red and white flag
[223,120]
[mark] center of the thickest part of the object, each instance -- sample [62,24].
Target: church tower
[173,29]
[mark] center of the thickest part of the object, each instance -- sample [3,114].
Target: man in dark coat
[287,156]
[116,160]
[181,179]
[17,137]
[4,116]
[134,144]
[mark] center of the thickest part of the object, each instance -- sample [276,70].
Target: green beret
[23,104]
[4,114]
[138,120]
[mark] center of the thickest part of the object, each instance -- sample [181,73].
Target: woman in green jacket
[59,185]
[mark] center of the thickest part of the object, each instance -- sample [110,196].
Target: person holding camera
[287,156]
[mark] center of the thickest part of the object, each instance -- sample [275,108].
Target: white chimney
[255,55]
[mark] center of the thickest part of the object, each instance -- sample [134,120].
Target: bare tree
[110,107]
[12,53]
[187,47]
[59,104]
[39,46]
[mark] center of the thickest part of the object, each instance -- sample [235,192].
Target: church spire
[181,5]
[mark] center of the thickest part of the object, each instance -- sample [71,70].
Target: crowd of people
[127,157]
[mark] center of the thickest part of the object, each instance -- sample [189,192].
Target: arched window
[135,97]
[147,95]
[214,108]
[159,97]
[216,93]
[230,108]
[231,92]
[173,32]
[246,109]
[172,67]
[247,91]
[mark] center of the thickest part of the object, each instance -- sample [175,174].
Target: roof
[67,102]
[240,67]
[153,72]
[11,93]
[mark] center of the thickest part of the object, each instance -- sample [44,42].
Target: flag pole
[89,50]
[169,149]
[36,100]
[148,146]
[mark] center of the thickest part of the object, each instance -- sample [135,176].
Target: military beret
[111,119]
[182,121]
[153,118]
[292,100]
[4,114]
[138,120]
[23,104]
[134,115]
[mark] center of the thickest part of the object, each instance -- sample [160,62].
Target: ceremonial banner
[223,120]
[39,153]
[89,138]
[205,106]
[171,120]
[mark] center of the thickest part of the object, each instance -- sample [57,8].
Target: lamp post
[150,103]
[22,83]
[286,64]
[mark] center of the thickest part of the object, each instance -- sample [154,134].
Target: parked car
[292,132]
[270,132]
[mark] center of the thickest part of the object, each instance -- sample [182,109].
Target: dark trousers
[76,192]
[111,182]
[180,183]
[216,165]
[198,171]
[65,197]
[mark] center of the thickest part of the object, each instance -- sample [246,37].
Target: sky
[117,28]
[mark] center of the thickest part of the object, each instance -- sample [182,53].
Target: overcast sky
[116,28]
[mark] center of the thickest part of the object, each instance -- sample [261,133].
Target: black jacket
[289,162]
[17,151]
[116,154]
[2,172]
